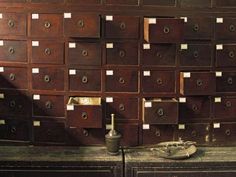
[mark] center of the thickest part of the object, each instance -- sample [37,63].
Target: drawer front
[194,108]
[160,2]
[160,112]
[47,52]
[156,134]
[158,81]
[48,79]
[195,3]
[227,82]
[227,56]
[48,106]
[194,132]
[84,116]
[224,108]
[13,24]
[123,108]
[13,78]
[122,2]
[15,130]
[199,28]
[46,1]
[225,3]
[49,132]
[197,83]
[46,25]
[160,30]
[14,103]
[13,51]
[122,27]
[129,133]
[84,2]
[85,80]
[158,55]
[121,80]
[82,25]
[196,55]
[226,30]
[84,53]
[122,53]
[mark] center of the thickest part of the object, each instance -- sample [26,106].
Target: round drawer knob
[84,115]
[84,53]
[228,132]
[84,79]
[159,81]
[199,82]
[158,55]
[230,80]
[11,50]
[47,24]
[194,133]
[196,27]
[166,30]
[122,107]
[12,77]
[232,28]
[195,54]
[48,105]
[231,54]
[12,104]
[228,104]
[11,23]
[195,108]
[122,25]
[158,133]
[85,132]
[47,51]
[121,80]
[13,129]
[160,112]
[122,53]
[80,23]
[47,78]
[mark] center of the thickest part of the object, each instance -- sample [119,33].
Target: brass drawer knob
[196,27]
[199,82]
[13,129]
[80,23]
[12,104]
[11,50]
[231,54]
[159,81]
[158,55]
[12,77]
[11,23]
[228,132]
[84,79]
[232,28]
[47,24]
[228,104]
[166,30]
[47,78]
[47,51]
[122,107]
[158,133]
[194,133]
[122,25]
[85,132]
[195,54]
[121,80]
[48,105]
[194,108]
[230,80]
[84,53]
[122,53]
[160,112]
[84,115]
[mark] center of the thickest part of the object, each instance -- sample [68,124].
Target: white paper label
[1,69]
[146,46]
[218,100]
[1,96]
[181,126]
[184,46]
[1,43]
[146,126]
[35,16]
[108,126]
[216,125]
[72,72]
[67,15]
[36,97]
[218,74]
[72,45]
[185,19]
[146,73]
[109,99]
[219,47]
[35,70]
[70,107]
[109,18]
[152,20]
[109,45]
[182,100]
[2,122]
[109,72]
[0,16]
[36,123]
[35,43]
[187,75]
[219,20]
[148,104]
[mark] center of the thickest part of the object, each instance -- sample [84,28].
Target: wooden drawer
[160,111]
[153,134]
[226,55]
[84,112]
[48,79]
[84,53]
[123,108]
[199,28]
[122,53]
[13,78]
[225,3]
[197,83]
[46,25]
[13,24]
[225,29]
[196,55]
[48,106]
[47,52]
[49,132]
[158,55]
[199,133]
[156,81]
[194,109]
[85,80]
[13,51]
[14,130]
[226,82]
[81,25]
[195,3]
[163,30]
[159,2]
[87,2]
[122,2]
[122,27]
[14,103]
[121,80]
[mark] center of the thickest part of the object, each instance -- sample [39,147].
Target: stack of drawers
[165,68]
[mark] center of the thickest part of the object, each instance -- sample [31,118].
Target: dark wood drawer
[13,23]
[122,53]
[195,3]
[163,30]
[226,82]
[122,2]
[14,130]
[48,106]
[50,78]
[13,78]
[84,53]
[122,27]
[123,108]
[47,52]
[225,3]
[158,55]
[84,80]
[197,83]
[199,28]
[225,29]
[13,51]
[121,80]
[194,109]
[81,25]
[195,55]
[159,2]
[46,25]
[15,103]
[156,81]
[225,55]
[87,2]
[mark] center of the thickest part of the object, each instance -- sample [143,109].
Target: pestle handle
[112,121]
